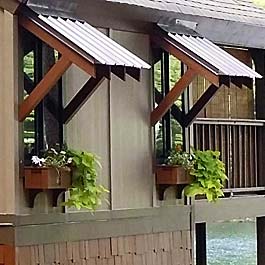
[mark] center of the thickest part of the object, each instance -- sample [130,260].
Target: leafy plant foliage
[85,192]
[208,174]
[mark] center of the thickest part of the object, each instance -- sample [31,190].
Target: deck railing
[239,142]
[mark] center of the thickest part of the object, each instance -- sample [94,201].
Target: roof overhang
[204,58]
[219,31]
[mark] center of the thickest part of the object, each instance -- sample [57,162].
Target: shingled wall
[170,248]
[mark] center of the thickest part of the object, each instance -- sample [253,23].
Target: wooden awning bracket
[97,72]
[51,104]
[185,120]
[194,69]
[172,96]
[175,111]
[200,105]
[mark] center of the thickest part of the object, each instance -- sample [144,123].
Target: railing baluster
[251,157]
[203,137]
[245,158]
[210,137]
[234,158]
[195,135]
[240,156]
[256,157]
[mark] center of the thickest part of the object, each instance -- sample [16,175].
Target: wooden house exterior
[115,121]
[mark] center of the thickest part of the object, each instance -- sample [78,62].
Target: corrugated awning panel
[93,42]
[212,57]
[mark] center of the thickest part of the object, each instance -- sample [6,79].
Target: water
[231,243]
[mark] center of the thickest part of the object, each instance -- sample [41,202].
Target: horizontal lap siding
[171,248]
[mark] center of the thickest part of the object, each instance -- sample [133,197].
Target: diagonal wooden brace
[172,96]
[175,111]
[85,93]
[51,104]
[43,88]
[200,104]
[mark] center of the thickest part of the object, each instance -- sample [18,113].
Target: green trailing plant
[208,174]
[85,192]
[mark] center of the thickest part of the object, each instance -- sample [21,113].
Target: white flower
[70,160]
[37,161]
[63,153]
[54,151]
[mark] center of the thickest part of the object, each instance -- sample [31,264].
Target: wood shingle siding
[170,248]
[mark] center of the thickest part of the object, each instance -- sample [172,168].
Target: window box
[172,175]
[47,178]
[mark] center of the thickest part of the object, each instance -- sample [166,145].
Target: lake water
[231,243]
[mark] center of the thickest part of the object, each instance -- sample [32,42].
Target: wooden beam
[51,104]
[200,104]
[175,111]
[169,46]
[119,71]
[134,73]
[43,88]
[172,96]
[84,94]
[260,225]
[58,45]
[201,244]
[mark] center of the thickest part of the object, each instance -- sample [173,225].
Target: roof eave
[220,31]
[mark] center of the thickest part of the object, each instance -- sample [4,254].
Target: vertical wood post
[201,251]
[9,127]
[260,240]
[166,85]
[259,60]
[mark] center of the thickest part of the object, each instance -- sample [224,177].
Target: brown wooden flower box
[171,175]
[47,178]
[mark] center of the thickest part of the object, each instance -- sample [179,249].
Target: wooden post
[259,60]
[9,94]
[166,84]
[201,251]
[260,240]
[170,98]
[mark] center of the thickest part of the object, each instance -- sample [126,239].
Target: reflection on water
[231,243]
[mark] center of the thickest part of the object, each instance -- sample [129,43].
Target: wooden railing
[239,142]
